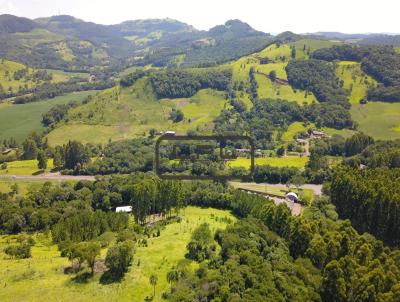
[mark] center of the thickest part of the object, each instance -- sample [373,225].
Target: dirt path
[48,176]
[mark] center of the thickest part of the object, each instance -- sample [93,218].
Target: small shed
[292,197]
[125,209]
[169,133]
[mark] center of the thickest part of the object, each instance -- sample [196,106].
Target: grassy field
[25,167]
[62,76]
[354,79]
[378,119]
[289,161]
[41,278]
[118,114]
[269,90]
[293,129]
[8,69]
[266,88]
[18,121]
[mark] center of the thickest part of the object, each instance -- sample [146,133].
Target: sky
[300,16]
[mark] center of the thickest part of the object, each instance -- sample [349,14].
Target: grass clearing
[19,121]
[379,119]
[289,161]
[354,80]
[269,90]
[41,278]
[293,129]
[25,167]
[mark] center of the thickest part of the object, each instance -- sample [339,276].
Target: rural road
[48,176]
[317,189]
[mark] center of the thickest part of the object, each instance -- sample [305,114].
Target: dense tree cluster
[123,157]
[335,262]
[318,77]
[180,83]
[51,90]
[58,113]
[370,199]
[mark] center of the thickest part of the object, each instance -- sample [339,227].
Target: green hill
[122,113]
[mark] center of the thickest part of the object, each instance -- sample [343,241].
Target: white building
[125,209]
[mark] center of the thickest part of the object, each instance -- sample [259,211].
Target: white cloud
[8,7]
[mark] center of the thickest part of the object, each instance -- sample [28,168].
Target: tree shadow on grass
[109,277]
[82,277]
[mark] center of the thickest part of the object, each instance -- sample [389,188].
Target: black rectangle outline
[217,138]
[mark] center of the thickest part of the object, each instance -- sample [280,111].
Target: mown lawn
[41,278]
[289,161]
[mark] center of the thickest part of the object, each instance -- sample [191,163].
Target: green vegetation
[370,189]
[25,167]
[19,120]
[294,129]
[288,161]
[14,76]
[355,80]
[378,119]
[44,278]
[117,114]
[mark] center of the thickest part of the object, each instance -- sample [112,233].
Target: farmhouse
[318,134]
[125,209]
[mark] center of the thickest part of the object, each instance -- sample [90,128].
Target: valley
[89,211]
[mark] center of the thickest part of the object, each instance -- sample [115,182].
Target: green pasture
[117,114]
[42,278]
[378,119]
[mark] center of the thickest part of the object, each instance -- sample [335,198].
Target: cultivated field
[18,121]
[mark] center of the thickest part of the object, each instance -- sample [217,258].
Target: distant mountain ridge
[69,43]
[66,42]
